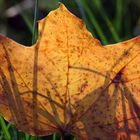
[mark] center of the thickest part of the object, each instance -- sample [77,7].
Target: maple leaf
[69,83]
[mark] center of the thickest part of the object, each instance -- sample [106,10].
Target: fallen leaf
[69,83]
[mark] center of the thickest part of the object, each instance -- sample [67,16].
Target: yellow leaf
[69,82]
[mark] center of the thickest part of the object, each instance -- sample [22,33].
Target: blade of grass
[84,16]
[9,125]
[1,138]
[94,22]
[1,135]
[104,15]
[39,138]
[27,21]
[4,128]
[128,23]
[119,13]
[33,138]
[74,139]
[35,33]
[54,136]
[14,132]
[21,136]
[2,132]
[27,137]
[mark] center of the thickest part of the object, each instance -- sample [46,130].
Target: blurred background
[110,21]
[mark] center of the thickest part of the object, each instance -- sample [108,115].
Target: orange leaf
[69,82]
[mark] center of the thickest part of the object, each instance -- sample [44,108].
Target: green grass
[110,22]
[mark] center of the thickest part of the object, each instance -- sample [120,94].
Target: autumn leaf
[69,83]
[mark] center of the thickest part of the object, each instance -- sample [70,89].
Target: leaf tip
[62,6]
